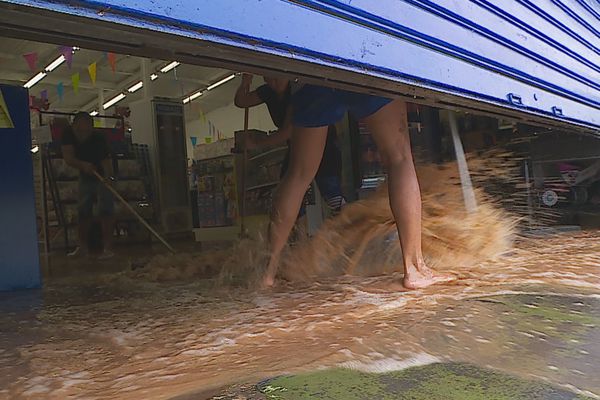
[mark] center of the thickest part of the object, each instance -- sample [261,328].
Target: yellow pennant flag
[92,72]
[75,81]
[5,119]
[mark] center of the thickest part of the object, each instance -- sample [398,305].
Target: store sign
[5,119]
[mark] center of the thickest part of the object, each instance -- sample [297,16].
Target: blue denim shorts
[316,106]
[91,191]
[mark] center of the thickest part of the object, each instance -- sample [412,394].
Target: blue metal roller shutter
[537,59]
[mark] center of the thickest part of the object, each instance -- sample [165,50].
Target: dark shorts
[316,106]
[91,192]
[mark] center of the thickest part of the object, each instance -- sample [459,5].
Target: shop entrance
[171,128]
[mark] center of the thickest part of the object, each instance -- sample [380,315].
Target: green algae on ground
[450,381]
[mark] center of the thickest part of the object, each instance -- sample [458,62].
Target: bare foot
[420,280]
[267,282]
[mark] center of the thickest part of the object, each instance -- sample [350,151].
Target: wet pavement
[525,326]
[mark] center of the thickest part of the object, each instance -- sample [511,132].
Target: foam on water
[391,364]
[161,331]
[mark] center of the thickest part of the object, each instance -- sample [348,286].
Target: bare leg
[306,153]
[389,127]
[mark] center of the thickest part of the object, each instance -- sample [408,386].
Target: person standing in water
[88,151]
[276,94]
[313,109]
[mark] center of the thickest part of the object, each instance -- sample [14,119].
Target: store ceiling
[177,83]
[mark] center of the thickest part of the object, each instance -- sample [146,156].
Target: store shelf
[268,152]
[217,233]
[263,185]
[557,160]
[216,157]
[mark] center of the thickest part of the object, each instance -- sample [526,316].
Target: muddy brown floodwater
[532,310]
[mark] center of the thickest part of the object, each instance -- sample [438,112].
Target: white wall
[226,119]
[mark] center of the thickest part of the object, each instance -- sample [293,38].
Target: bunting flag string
[32,60]
[92,72]
[67,53]
[75,80]
[112,61]
[60,91]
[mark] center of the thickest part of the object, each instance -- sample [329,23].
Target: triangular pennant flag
[67,53]
[60,90]
[194,140]
[32,59]
[44,94]
[92,72]
[6,121]
[75,81]
[112,61]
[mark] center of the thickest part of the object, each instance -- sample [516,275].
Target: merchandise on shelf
[370,161]
[129,169]
[215,181]
[131,189]
[216,149]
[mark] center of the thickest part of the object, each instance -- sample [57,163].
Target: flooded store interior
[522,321]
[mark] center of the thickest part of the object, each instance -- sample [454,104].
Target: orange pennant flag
[112,60]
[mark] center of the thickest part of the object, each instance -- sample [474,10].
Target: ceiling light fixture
[222,81]
[35,149]
[55,64]
[94,113]
[169,67]
[153,77]
[114,100]
[136,87]
[29,84]
[193,97]
[210,87]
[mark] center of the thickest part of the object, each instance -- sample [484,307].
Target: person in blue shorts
[276,95]
[314,108]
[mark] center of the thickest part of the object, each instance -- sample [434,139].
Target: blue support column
[19,257]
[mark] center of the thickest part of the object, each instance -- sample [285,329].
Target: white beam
[463,168]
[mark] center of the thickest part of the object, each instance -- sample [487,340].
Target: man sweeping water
[88,151]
